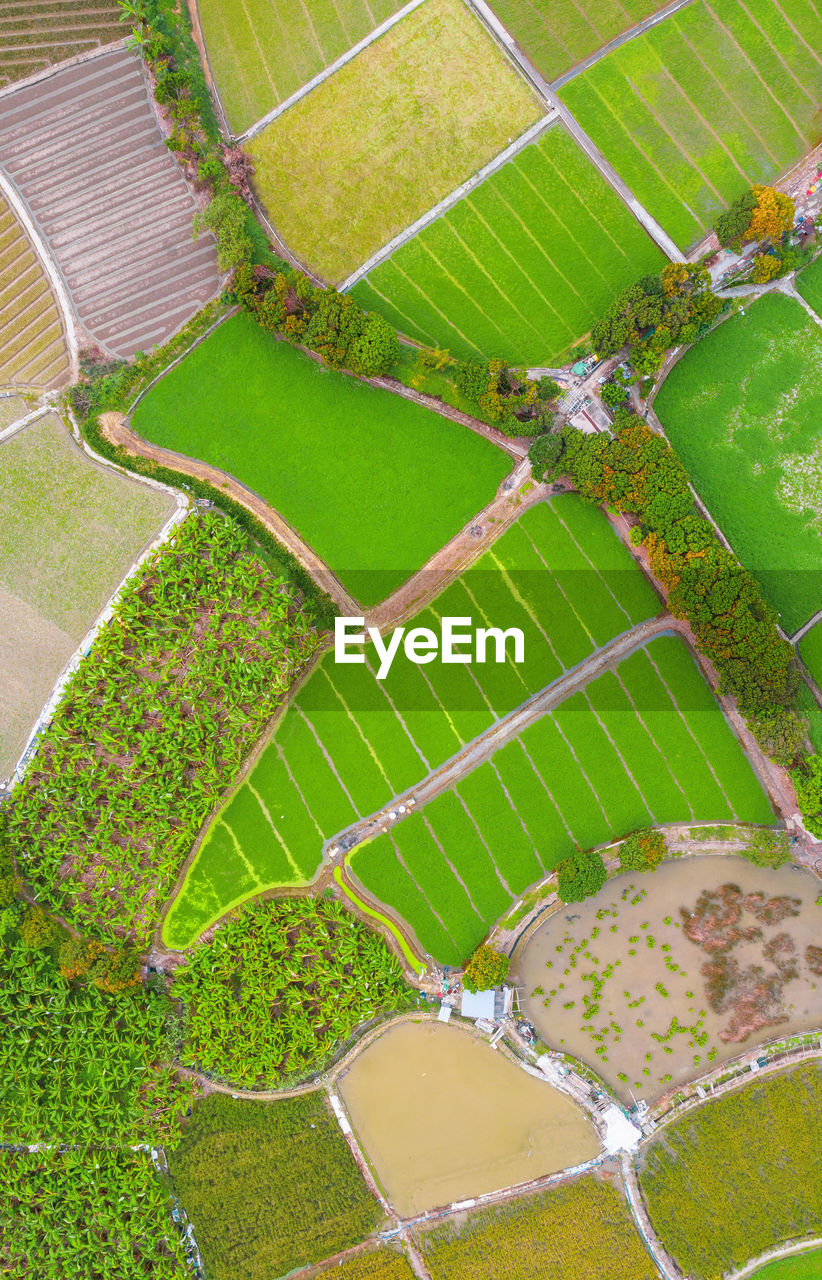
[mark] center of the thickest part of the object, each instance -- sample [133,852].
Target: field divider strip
[606,169]
[583,773]
[470,669]
[326,755]
[356,724]
[49,266]
[239,851]
[509,660]
[698,744]
[431,907]
[657,747]
[618,41]
[555,578]
[619,755]
[393,928]
[581,549]
[450,200]
[484,842]
[506,729]
[329,71]
[432,833]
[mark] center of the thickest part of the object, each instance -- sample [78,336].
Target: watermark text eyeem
[459,642]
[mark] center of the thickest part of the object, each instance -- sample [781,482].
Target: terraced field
[401,124]
[33,349]
[262,51]
[723,94]
[34,34]
[644,744]
[348,742]
[109,200]
[520,268]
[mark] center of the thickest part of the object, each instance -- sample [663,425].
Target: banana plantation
[81,1066]
[86,1213]
[156,722]
[281,987]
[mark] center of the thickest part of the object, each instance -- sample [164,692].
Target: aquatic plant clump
[281,987]
[202,648]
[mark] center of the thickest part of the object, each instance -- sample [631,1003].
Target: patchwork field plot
[380,1264]
[712,1215]
[34,34]
[723,94]
[32,340]
[288,1189]
[809,284]
[401,125]
[127,770]
[259,408]
[556,36]
[69,530]
[522,267]
[742,409]
[800,1266]
[646,743]
[84,150]
[348,742]
[810,649]
[579,1230]
[262,51]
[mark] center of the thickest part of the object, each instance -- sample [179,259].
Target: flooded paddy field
[665,974]
[442,1116]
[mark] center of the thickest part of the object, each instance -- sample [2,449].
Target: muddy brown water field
[442,1116]
[664,975]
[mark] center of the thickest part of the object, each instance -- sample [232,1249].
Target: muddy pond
[665,974]
[443,1116]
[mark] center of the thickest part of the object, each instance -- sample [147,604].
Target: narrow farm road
[549,97]
[667,1267]
[510,726]
[117,432]
[806,627]
[784,1251]
[630,34]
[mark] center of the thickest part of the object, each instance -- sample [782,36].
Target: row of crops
[740,1175]
[522,267]
[153,726]
[349,742]
[645,743]
[717,97]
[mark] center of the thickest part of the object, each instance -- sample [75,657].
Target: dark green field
[340,460]
[743,409]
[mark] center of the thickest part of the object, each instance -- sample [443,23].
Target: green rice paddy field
[809,284]
[396,129]
[810,649]
[348,743]
[262,51]
[723,94]
[556,35]
[743,409]
[646,743]
[520,268]
[258,409]
[801,1266]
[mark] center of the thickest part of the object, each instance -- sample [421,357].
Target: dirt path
[546,93]
[630,34]
[419,589]
[117,432]
[510,726]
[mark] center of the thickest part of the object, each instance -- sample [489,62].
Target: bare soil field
[69,530]
[84,150]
